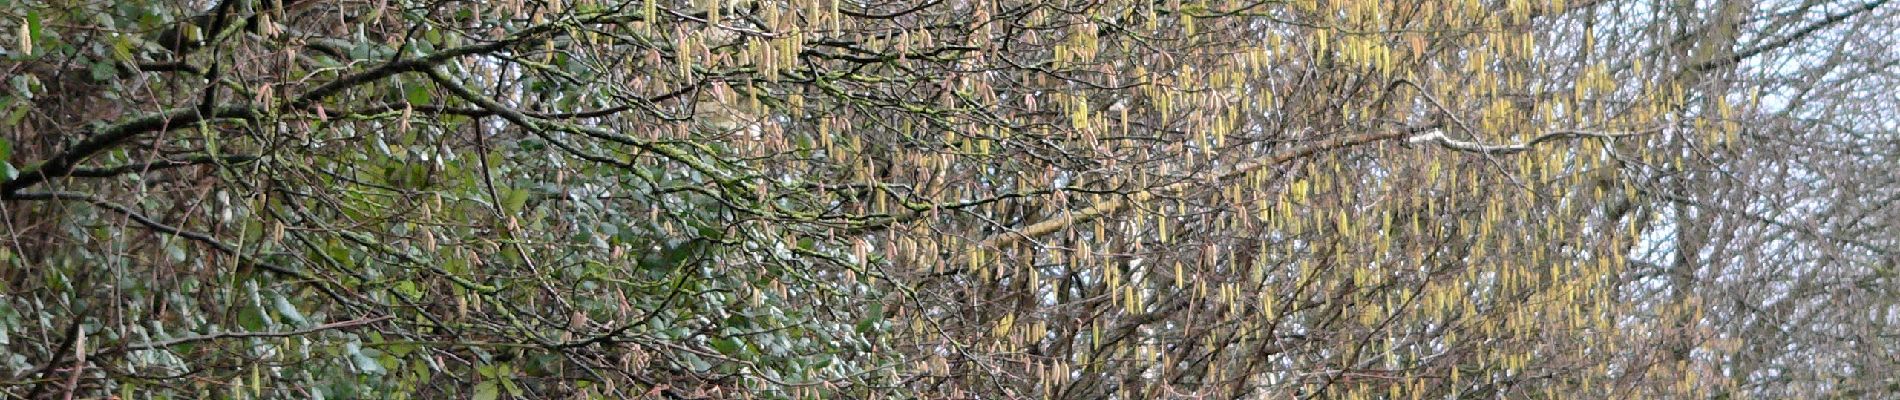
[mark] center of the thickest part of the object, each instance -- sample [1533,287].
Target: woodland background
[949,199]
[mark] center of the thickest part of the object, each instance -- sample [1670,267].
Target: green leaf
[253,319]
[871,318]
[7,171]
[364,362]
[289,311]
[514,199]
[122,49]
[697,364]
[176,251]
[23,85]
[487,391]
[103,71]
[408,289]
[679,253]
[707,230]
[727,346]
[14,111]
[508,384]
[418,94]
[32,31]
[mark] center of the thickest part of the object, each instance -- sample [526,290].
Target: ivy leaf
[695,363]
[253,319]
[363,362]
[418,94]
[289,311]
[727,346]
[176,251]
[871,318]
[706,230]
[103,70]
[6,156]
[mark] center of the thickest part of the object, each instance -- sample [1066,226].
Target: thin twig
[1438,136]
[242,335]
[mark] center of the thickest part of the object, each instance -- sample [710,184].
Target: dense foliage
[985,199]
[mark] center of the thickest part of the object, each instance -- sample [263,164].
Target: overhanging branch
[62,164]
[1116,205]
[1438,137]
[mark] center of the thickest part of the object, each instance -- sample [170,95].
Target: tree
[942,199]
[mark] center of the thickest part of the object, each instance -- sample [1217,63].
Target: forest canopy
[949,199]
